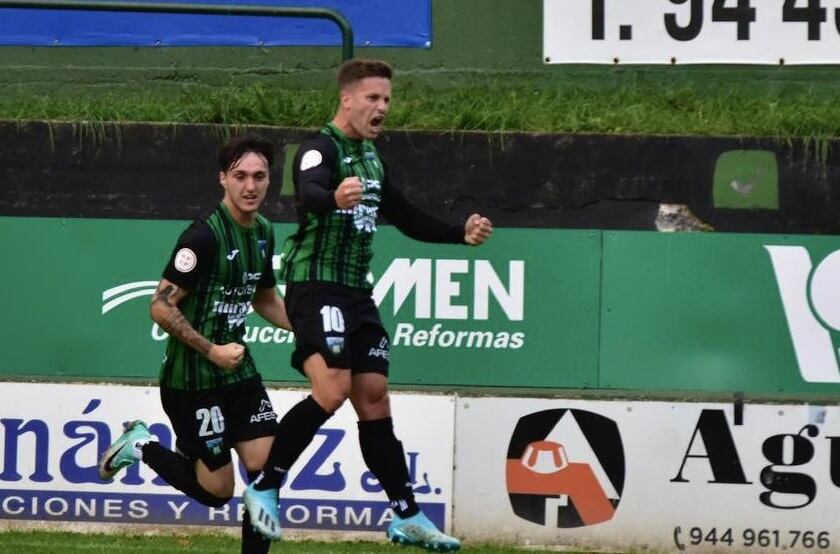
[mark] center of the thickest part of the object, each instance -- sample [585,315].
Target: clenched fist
[226,356]
[348,193]
[477,229]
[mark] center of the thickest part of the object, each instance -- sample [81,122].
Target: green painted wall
[711,313]
[474,41]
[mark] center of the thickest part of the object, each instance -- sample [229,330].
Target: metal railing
[205,9]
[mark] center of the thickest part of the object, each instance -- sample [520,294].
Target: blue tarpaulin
[374,22]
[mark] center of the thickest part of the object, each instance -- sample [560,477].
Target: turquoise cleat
[121,453]
[417,530]
[263,511]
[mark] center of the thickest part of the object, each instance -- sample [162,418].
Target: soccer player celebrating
[209,384]
[341,184]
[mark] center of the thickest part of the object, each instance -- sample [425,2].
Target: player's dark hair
[235,148]
[357,69]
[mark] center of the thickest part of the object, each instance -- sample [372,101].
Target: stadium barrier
[707,313]
[557,181]
[619,475]
[543,314]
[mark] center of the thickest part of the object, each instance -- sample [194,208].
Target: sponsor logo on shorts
[266,412]
[382,351]
[263,416]
[215,445]
[335,344]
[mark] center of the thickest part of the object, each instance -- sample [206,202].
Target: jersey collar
[229,217]
[343,136]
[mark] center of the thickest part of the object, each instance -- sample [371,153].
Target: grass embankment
[630,108]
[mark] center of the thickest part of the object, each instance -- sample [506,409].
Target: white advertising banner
[648,475]
[52,435]
[692,31]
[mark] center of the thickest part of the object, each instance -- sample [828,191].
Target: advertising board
[52,436]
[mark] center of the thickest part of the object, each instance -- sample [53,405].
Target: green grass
[626,109]
[71,543]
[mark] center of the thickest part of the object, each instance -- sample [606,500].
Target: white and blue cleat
[263,511]
[122,453]
[417,530]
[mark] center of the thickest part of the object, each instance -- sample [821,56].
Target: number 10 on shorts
[333,319]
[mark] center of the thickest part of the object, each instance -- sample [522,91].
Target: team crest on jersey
[262,244]
[335,344]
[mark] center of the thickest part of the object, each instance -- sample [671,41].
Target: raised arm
[415,223]
[419,225]
[314,165]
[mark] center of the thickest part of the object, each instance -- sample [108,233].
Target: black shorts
[339,322]
[208,423]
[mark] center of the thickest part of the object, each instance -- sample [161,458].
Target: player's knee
[370,399]
[218,494]
[253,466]
[367,410]
[330,394]
[377,397]
[331,400]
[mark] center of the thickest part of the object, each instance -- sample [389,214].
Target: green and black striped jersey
[221,264]
[334,245]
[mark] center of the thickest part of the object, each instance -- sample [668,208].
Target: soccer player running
[220,267]
[341,184]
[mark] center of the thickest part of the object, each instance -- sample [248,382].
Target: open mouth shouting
[375,124]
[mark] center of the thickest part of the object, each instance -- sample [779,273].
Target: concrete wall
[520,180]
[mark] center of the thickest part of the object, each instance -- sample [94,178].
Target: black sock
[294,433]
[252,541]
[385,458]
[179,472]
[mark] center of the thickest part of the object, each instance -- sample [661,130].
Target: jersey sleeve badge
[185,260]
[312,158]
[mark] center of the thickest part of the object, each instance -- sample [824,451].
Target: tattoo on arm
[174,322]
